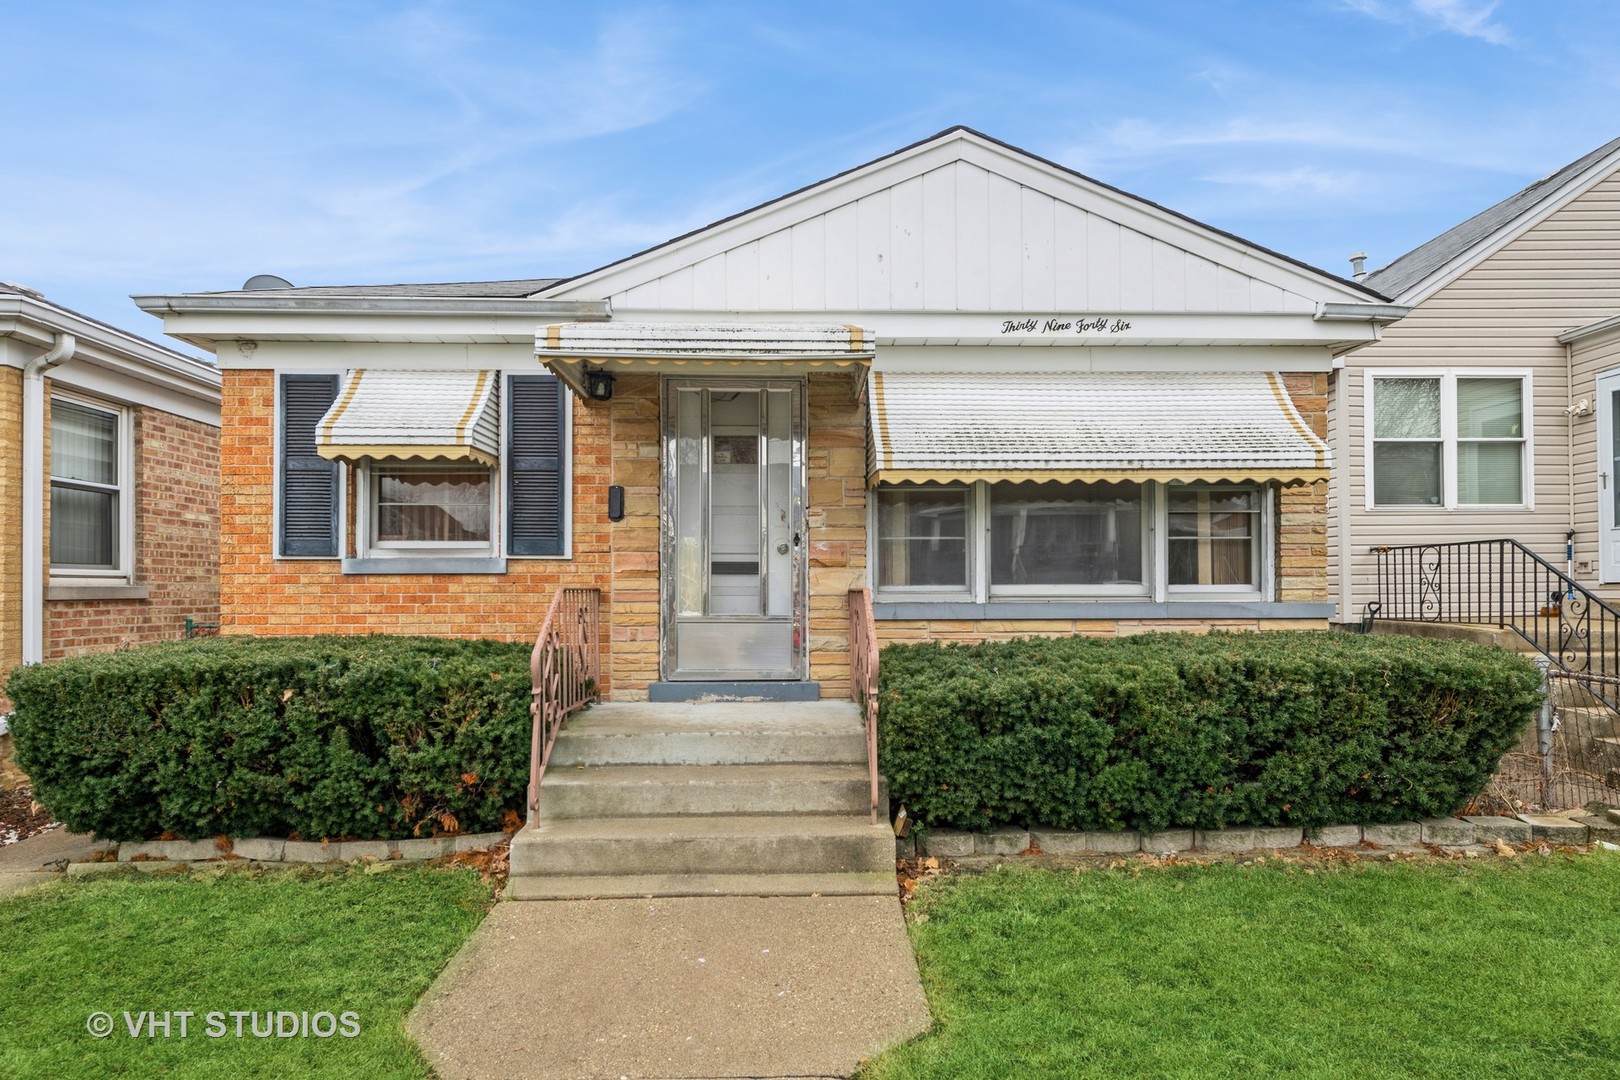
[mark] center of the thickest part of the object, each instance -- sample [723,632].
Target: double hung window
[90,486]
[1448,439]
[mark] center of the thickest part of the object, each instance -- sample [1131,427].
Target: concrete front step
[712,733]
[728,844]
[656,790]
[621,886]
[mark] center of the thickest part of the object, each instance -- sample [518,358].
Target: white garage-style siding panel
[961,236]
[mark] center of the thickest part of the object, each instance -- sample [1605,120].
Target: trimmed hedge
[1170,730]
[371,737]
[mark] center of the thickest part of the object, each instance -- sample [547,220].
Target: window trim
[1156,591]
[124,442]
[1449,441]
[368,549]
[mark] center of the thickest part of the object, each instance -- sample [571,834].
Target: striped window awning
[412,415]
[1073,426]
[678,348]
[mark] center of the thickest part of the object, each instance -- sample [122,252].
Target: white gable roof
[960,222]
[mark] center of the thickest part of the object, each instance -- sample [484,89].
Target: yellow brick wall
[1301,540]
[10,519]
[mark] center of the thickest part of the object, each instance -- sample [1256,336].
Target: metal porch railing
[863,679]
[565,671]
[1573,756]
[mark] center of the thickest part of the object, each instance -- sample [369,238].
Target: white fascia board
[211,330]
[85,374]
[38,324]
[991,327]
[1191,236]
[933,358]
[201,304]
[328,356]
[1581,333]
[1489,245]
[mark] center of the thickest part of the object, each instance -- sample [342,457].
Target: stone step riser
[693,748]
[805,854]
[585,798]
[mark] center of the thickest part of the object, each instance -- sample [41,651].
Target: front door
[1608,478]
[732,559]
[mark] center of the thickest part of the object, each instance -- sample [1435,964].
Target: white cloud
[1470,18]
[1300,180]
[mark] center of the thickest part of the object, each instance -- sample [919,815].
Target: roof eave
[39,321]
[202,304]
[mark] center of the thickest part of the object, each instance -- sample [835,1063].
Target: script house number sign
[1066,324]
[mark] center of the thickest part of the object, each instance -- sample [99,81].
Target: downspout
[1569,458]
[33,523]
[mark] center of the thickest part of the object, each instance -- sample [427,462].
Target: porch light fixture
[599,384]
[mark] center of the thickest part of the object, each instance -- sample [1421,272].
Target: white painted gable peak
[960,222]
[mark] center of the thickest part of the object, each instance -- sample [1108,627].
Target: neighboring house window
[90,483]
[1051,540]
[1448,439]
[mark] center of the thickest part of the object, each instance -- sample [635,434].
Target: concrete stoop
[705,799]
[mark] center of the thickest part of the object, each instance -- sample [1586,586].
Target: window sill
[427,564]
[95,591]
[1102,609]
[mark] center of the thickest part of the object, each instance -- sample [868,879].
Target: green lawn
[226,941]
[1478,968]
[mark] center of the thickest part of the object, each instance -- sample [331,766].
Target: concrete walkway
[693,987]
[21,863]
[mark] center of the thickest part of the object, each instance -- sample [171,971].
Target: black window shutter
[309,482]
[534,466]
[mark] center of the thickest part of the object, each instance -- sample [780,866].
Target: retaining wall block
[308,851]
[479,841]
[1335,836]
[151,849]
[1225,840]
[947,843]
[905,847]
[1003,840]
[1555,830]
[364,849]
[422,850]
[1168,842]
[1489,828]
[1448,832]
[1279,836]
[262,848]
[1395,834]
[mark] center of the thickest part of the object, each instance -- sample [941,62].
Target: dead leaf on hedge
[469,778]
[286,695]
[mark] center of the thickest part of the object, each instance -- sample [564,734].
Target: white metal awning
[405,415]
[568,348]
[1169,426]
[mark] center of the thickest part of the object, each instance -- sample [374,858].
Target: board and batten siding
[959,238]
[1504,313]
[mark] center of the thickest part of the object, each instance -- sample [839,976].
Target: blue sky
[157,147]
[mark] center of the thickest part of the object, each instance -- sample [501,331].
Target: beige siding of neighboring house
[1504,314]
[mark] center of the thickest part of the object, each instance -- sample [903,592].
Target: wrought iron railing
[565,670]
[863,679]
[1504,584]
[1572,757]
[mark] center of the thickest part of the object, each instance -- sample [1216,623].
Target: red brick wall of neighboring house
[176,544]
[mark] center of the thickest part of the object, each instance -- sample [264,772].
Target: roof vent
[1358,265]
[260,282]
[25,290]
